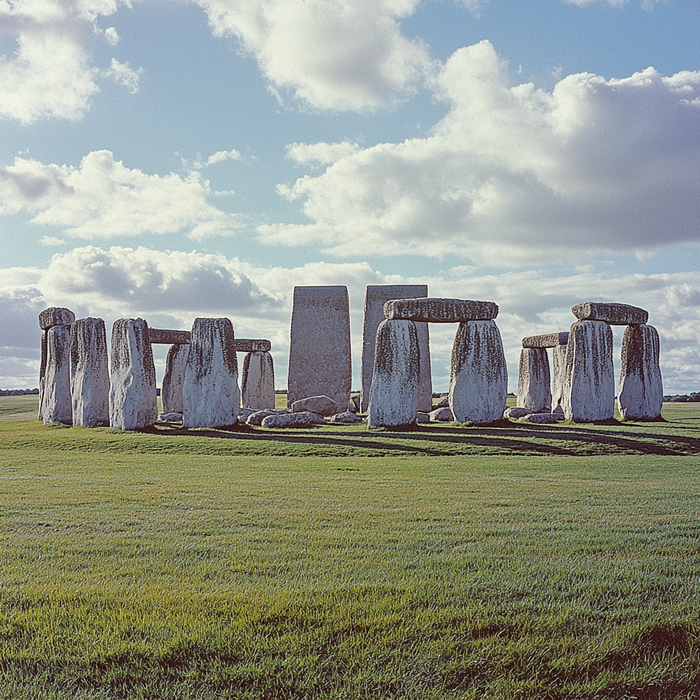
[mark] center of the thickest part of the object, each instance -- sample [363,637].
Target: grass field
[334,562]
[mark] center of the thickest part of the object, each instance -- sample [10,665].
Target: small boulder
[542,418]
[422,417]
[323,405]
[302,419]
[516,412]
[257,417]
[347,417]
[442,415]
[170,417]
[443,403]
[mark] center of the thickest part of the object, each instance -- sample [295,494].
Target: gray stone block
[252,345]
[258,380]
[174,377]
[55,316]
[305,419]
[614,314]
[534,380]
[162,336]
[434,310]
[558,377]
[56,397]
[548,340]
[89,372]
[641,392]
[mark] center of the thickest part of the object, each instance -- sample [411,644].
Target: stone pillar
[210,394]
[258,381]
[174,377]
[641,389]
[589,393]
[376,295]
[393,399]
[534,382]
[54,373]
[558,377]
[89,372]
[319,348]
[478,373]
[132,392]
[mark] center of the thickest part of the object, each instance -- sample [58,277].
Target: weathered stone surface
[55,316]
[243,413]
[292,420]
[258,380]
[436,310]
[589,391]
[376,295]
[252,345]
[478,373]
[171,417]
[641,390]
[162,336]
[42,372]
[210,394]
[323,405]
[132,391]
[422,417]
[257,417]
[534,381]
[393,398]
[614,314]
[346,417]
[548,340]
[89,372]
[542,418]
[56,398]
[174,378]
[441,415]
[515,412]
[443,403]
[558,377]
[319,348]
[355,403]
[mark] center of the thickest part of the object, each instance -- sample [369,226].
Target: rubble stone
[304,419]
[441,415]
[322,405]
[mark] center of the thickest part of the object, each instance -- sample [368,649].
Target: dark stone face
[548,340]
[434,310]
[55,316]
[614,314]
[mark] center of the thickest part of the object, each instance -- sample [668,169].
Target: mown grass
[143,565]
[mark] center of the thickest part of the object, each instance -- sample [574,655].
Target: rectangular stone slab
[252,345]
[435,310]
[166,337]
[548,340]
[614,314]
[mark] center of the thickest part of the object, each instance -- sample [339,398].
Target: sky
[171,159]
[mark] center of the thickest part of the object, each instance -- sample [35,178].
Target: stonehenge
[540,390]
[174,377]
[89,372]
[55,403]
[258,380]
[640,392]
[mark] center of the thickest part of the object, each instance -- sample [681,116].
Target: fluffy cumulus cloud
[330,54]
[513,171]
[103,198]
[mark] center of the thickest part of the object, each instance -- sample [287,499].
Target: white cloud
[123,74]
[111,36]
[221,156]
[331,54]
[102,198]
[321,153]
[51,241]
[514,173]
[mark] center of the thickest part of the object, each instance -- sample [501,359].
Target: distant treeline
[17,392]
[694,396]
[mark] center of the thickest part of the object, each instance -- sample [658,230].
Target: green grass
[170,565]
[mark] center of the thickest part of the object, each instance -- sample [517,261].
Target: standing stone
[376,296]
[393,398]
[174,378]
[56,399]
[478,373]
[210,391]
[42,373]
[89,372]
[589,392]
[258,381]
[534,382]
[641,389]
[132,392]
[48,318]
[319,348]
[558,377]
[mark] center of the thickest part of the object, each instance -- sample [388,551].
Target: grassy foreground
[144,565]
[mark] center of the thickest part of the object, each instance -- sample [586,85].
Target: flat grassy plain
[450,562]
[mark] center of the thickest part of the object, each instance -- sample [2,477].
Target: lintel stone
[436,310]
[251,345]
[548,340]
[613,314]
[162,336]
[55,316]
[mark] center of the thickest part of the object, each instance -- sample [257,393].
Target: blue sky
[173,159]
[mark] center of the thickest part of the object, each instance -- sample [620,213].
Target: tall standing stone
[641,393]
[478,373]
[258,381]
[558,377]
[376,296]
[174,378]
[393,399]
[589,392]
[89,372]
[319,349]
[132,392]
[534,380]
[54,372]
[210,392]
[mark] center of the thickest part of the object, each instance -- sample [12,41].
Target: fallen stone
[376,295]
[323,405]
[55,316]
[346,417]
[319,349]
[422,417]
[210,392]
[436,310]
[89,372]
[441,415]
[558,377]
[132,391]
[170,417]
[548,340]
[614,314]
[515,412]
[292,420]
[393,399]
[174,378]
[589,392]
[252,345]
[534,381]
[542,418]
[257,417]
[444,403]
[641,392]
[161,336]
[478,373]
[56,404]
[258,380]
[244,413]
